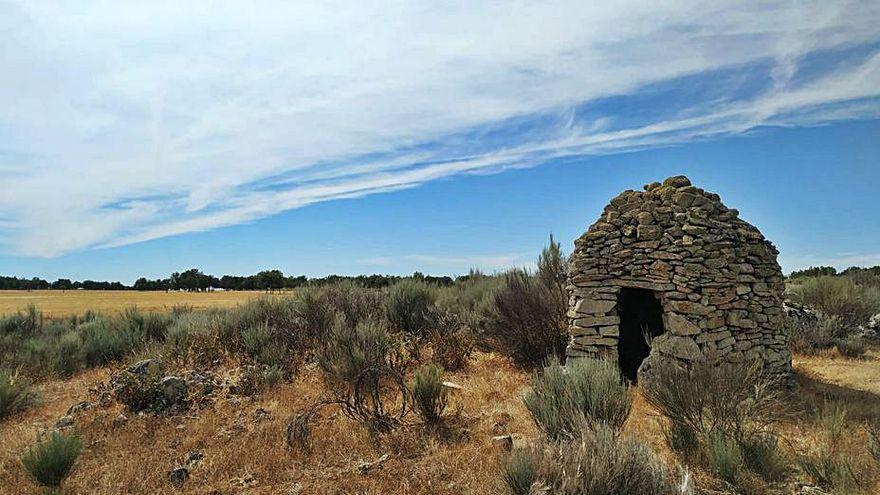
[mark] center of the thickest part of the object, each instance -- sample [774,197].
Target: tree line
[194,280]
[867,276]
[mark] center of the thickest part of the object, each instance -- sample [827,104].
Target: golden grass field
[58,303]
[245,454]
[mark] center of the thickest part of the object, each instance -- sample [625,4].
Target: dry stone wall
[717,278]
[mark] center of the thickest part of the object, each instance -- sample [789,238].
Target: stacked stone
[717,278]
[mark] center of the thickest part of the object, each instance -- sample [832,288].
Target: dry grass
[75,302]
[244,455]
[860,374]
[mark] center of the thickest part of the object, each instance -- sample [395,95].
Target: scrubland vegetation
[424,387]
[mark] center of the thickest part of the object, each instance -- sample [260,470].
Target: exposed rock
[174,390]
[119,420]
[178,476]
[503,442]
[677,181]
[79,407]
[194,458]
[63,422]
[506,443]
[261,414]
[365,467]
[680,325]
[590,306]
[142,368]
[676,346]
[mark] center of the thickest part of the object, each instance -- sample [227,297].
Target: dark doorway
[641,319]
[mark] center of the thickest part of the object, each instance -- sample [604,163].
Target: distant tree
[192,279]
[62,284]
[814,271]
[270,280]
[294,282]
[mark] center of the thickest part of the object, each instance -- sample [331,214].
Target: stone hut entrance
[641,319]
[676,261]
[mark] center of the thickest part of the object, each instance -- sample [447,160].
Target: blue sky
[394,137]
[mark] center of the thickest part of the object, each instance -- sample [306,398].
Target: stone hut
[672,273]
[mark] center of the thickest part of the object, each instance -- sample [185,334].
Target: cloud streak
[121,124]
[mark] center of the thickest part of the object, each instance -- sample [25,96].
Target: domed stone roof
[714,277]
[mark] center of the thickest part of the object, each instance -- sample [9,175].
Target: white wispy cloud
[122,122]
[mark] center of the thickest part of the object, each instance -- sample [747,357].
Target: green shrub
[68,354]
[836,462]
[49,462]
[140,393]
[36,355]
[525,319]
[363,370]
[353,302]
[553,268]
[764,457]
[409,307]
[199,338]
[519,471]
[725,458]
[722,415]
[467,298]
[598,462]
[255,380]
[734,399]
[452,342]
[24,324]
[853,347]
[429,395]
[262,345]
[315,312]
[15,394]
[148,326]
[102,342]
[563,397]
[854,304]
[811,336]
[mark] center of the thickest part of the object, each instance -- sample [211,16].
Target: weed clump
[519,471]
[853,347]
[15,394]
[141,391]
[49,462]
[840,297]
[598,461]
[562,398]
[428,393]
[363,369]
[723,416]
[409,307]
[525,319]
[837,463]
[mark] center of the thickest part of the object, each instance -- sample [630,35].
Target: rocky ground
[224,442]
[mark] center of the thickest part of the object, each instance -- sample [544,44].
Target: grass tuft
[49,462]
[563,397]
[16,394]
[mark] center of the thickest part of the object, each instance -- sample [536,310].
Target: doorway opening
[641,319]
